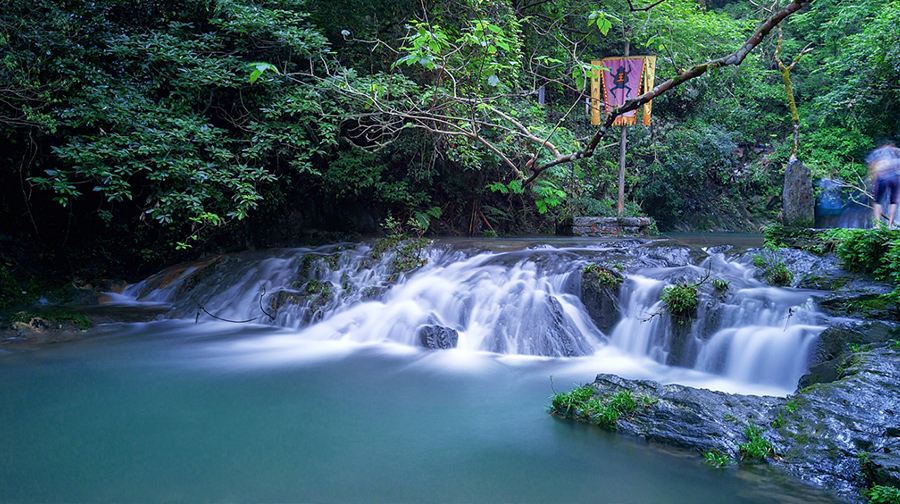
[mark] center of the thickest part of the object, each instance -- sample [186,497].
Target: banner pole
[621,205]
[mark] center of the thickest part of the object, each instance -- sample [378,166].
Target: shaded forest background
[134,134]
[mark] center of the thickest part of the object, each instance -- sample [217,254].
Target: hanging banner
[623,79]
[647,85]
[622,82]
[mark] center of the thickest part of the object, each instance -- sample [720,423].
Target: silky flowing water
[338,403]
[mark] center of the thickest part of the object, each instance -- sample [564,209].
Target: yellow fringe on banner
[595,93]
[624,120]
[649,74]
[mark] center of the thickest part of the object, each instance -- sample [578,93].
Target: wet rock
[670,256]
[841,435]
[835,346]
[600,288]
[553,336]
[550,333]
[841,428]
[681,349]
[693,419]
[438,337]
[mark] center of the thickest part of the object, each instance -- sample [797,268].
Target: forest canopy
[140,132]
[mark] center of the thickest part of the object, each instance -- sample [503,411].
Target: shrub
[865,250]
[879,494]
[681,299]
[605,276]
[717,459]
[773,269]
[564,402]
[875,252]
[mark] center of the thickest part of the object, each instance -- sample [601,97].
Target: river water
[347,408]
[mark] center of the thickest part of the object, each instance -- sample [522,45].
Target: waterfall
[752,332]
[520,302]
[513,303]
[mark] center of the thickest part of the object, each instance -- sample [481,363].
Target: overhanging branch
[733,59]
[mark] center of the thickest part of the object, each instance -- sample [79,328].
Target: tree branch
[733,59]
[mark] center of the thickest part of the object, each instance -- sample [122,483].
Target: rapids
[514,300]
[324,392]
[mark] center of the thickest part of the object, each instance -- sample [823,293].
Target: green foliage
[11,292]
[691,163]
[858,347]
[791,406]
[720,284]
[874,251]
[581,404]
[869,251]
[161,118]
[565,402]
[858,59]
[880,494]
[681,299]
[175,124]
[838,153]
[779,420]
[774,270]
[606,277]
[756,447]
[421,221]
[548,195]
[718,459]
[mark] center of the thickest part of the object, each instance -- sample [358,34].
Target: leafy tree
[157,111]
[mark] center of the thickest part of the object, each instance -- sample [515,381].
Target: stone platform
[604,226]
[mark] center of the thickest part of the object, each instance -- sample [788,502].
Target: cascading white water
[523,302]
[750,333]
[510,306]
[639,332]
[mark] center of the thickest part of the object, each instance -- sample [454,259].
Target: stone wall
[605,226]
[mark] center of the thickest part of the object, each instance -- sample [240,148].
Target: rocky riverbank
[840,429]
[844,435]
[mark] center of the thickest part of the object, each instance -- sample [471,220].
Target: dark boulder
[438,337]
[600,296]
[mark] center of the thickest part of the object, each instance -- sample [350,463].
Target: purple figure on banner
[620,81]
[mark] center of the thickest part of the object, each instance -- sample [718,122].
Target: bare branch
[639,9]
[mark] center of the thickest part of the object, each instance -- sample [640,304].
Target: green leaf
[259,68]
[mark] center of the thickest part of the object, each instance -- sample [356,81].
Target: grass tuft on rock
[604,411]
